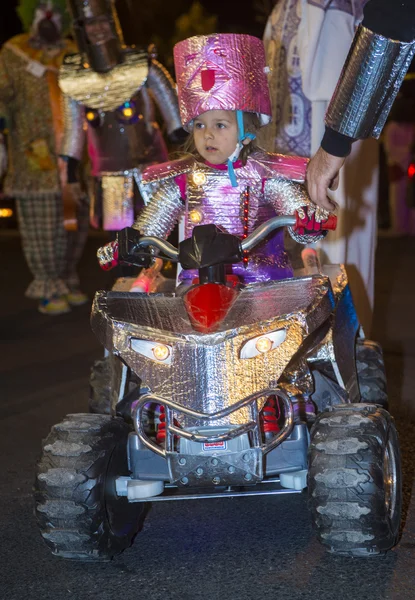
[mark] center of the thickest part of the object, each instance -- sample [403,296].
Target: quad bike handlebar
[127,249]
[248,243]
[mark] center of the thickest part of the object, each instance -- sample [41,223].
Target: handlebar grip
[108,256]
[330,223]
[306,224]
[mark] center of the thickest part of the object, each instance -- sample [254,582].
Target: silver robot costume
[113,89]
[200,193]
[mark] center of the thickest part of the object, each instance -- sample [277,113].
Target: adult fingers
[334,183]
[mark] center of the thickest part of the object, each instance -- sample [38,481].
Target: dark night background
[141,20]
[9,23]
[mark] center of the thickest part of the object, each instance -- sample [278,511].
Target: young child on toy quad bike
[227,180]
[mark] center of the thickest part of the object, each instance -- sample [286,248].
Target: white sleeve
[324,40]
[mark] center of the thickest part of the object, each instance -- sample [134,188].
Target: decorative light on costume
[127,112]
[199,178]
[245,219]
[93,118]
[196,216]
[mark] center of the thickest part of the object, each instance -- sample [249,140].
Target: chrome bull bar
[252,426]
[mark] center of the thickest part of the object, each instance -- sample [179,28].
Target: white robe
[306,44]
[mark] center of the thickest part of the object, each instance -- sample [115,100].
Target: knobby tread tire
[100,387]
[78,513]
[353,452]
[371,373]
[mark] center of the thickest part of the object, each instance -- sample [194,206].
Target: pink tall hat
[221,71]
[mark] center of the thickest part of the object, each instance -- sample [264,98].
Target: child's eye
[198,125]
[221,125]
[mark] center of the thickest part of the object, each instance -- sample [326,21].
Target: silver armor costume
[203,194]
[113,90]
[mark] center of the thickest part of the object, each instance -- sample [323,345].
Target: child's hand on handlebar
[312,219]
[108,256]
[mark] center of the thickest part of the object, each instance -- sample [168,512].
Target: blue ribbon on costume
[241,137]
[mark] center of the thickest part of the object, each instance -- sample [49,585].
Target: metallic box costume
[221,72]
[114,90]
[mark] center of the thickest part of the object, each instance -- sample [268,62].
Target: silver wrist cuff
[370,80]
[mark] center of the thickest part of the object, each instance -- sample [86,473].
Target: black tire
[78,512]
[354,480]
[371,373]
[100,382]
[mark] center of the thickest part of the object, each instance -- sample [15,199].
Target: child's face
[215,134]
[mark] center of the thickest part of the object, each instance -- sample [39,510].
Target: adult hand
[323,175]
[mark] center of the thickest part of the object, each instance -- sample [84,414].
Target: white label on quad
[213,446]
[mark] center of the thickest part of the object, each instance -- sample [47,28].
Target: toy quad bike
[211,381]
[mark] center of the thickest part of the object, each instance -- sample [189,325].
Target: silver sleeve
[162,212]
[74,134]
[370,80]
[287,197]
[163,89]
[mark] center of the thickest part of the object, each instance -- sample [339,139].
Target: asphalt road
[246,548]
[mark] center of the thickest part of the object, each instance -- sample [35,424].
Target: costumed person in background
[399,144]
[227,181]
[306,44]
[114,89]
[30,106]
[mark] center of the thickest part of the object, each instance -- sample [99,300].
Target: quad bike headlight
[160,353]
[263,344]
